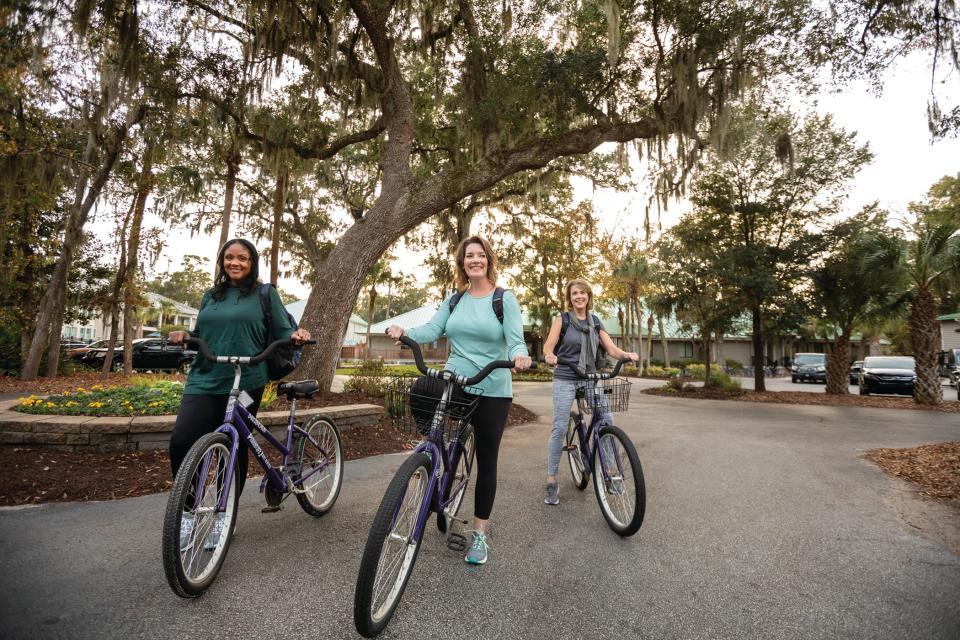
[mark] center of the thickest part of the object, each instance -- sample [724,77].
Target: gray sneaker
[477,553]
[553,493]
[215,532]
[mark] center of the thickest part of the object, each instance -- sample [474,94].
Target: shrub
[733,364]
[696,370]
[269,395]
[720,380]
[674,384]
[370,378]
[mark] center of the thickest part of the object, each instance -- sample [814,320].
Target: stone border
[92,433]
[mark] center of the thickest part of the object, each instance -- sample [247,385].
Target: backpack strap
[596,323]
[265,305]
[564,325]
[497,302]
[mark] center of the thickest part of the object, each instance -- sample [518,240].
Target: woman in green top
[231,322]
[478,337]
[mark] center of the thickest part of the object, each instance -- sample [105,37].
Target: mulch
[935,468]
[35,475]
[800,397]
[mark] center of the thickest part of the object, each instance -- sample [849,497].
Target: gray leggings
[564,393]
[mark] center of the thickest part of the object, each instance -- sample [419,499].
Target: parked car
[948,364]
[149,354]
[855,372]
[809,366]
[77,353]
[888,374]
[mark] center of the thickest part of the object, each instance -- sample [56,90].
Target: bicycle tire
[625,519]
[574,454]
[369,617]
[462,469]
[184,580]
[317,500]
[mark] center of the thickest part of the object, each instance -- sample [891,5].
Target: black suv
[809,366]
[149,354]
[888,374]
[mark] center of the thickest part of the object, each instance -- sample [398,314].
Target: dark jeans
[489,420]
[201,414]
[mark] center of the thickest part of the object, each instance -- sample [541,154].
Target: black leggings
[489,420]
[202,414]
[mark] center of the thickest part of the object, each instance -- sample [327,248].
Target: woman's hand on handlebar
[178,337]
[396,332]
[551,360]
[522,363]
[632,356]
[300,336]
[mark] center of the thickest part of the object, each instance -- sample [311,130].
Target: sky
[894,124]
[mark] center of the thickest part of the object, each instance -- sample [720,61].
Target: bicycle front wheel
[319,458]
[462,469]
[392,547]
[575,455]
[196,536]
[618,481]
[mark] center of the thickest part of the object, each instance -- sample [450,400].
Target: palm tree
[925,262]
[634,274]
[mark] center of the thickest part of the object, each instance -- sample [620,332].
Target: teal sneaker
[477,553]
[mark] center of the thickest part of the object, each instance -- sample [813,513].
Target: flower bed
[148,397]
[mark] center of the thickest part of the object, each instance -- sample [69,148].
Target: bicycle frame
[238,422]
[590,438]
[441,464]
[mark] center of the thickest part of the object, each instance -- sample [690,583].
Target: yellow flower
[51,404]
[95,405]
[71,403]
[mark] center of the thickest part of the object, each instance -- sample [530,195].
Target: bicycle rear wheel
[321,467]
[196,536]
[574,454]
[392,548]
[462,470]
[618,482]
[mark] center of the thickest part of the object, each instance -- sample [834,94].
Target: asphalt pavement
[763,521]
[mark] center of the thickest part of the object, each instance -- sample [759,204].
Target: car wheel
[864,391]
[793,379]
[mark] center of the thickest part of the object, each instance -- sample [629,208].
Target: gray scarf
[589,342]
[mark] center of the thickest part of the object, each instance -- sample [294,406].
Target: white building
[165,311]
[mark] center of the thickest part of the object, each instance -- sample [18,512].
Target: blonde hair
[585,286]
[460,274]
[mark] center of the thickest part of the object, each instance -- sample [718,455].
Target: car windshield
[809,358]
[890,363]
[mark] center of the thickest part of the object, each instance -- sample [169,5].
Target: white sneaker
[187,522]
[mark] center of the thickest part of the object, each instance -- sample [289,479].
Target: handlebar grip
[417,354]
[483,373]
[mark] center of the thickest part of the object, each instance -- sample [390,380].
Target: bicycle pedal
[456,542]
[271,509]
[569,447]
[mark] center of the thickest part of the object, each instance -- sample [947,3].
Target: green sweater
[477,338]
[234,326]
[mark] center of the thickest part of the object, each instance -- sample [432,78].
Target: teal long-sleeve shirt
[477,338]
[234,326]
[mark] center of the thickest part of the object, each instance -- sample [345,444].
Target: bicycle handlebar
[575,366]
[461,380]
[205,351]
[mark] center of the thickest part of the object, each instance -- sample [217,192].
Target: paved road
[762,522]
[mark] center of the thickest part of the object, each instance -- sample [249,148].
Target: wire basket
[411,402]
[605,396]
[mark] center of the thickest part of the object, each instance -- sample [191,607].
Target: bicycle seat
[299,389]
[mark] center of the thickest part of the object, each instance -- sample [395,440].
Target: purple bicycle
[604,450]
[202,508]
[433,479]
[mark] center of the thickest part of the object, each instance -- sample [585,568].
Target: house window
[687,350]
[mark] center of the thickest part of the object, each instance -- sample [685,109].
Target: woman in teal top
[231,321]
[477,337]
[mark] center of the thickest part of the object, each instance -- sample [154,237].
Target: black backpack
[601,352]
[497,302]
[285,359]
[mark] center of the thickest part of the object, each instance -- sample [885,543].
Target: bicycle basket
[412,401]
[605,396]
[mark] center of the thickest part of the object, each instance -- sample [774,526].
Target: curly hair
[222,282]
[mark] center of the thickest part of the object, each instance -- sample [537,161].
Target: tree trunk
[233,166]
[144,185]
[874,348]
[925,336]
[664,343]
[706,359]
[624,339]
[54,299]
[279,198]
[759,382]
[650,322]
[721,360]
[638,325]
[838,364]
